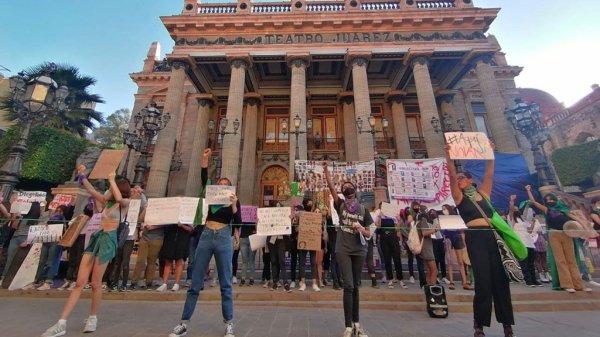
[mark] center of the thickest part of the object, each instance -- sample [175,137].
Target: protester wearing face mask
[351,249]
[557,213]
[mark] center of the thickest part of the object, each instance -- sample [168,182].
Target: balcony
[272,145]
[417,147]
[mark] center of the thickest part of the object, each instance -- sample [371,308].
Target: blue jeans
[248,259]
[49,261]
[193,245]
[217,243]
[15,242]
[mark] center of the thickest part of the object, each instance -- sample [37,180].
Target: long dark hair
[34,212]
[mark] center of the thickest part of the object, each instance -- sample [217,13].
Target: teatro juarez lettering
[315,38]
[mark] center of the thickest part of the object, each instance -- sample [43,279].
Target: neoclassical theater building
[297,75]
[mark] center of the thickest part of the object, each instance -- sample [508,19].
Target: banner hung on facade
[425,180]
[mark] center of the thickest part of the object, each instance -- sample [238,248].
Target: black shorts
[457,242]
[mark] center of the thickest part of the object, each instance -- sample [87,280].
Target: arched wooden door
[272,184]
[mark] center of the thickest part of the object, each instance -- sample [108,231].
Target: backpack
[415,244]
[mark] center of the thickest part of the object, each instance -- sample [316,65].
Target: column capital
[419,59]
[204,99]
[395,96]
[346,97]
[483,58]
[179,63]
[446,96]
[360,58]
[239,60]
[253,98]
[298,60]
[421,56]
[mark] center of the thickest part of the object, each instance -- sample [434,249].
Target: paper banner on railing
[61,199]
[45,233]
[22,204]
[469,145]
[362,174]
[219,194]
[426,180]
[274,221]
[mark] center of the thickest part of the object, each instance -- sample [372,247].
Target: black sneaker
[132,287]
[286,287]
[242,282]
[251,282]
[179,330]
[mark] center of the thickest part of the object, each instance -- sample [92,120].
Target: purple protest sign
[249,213]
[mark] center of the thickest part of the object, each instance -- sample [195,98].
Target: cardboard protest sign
[108,162]
[451,222]
[132,216]
[310,231]
[274,221]
[92,227]
[22,204]
[390,210]
[249,213]
[469,145]
[61,199]
[45,233]
[76,226]
[26,273]
[257,241]
[219,194]
[165,211]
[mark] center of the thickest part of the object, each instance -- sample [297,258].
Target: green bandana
[558,206]
[215,208]
[524,204]
[470,192]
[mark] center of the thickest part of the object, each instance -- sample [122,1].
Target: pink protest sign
[249,213]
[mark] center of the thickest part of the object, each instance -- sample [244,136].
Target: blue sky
[556,41]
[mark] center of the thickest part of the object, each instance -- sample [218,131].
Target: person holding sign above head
[215,240]
[101,249]
[351,249]
[492,283]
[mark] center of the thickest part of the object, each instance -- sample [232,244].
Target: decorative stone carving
[237,63]
[420,59]
[485,58]
[178,64]
[299,62]
[252,101]
[446,98]
[88,158]
[205,102]
[346,99]
[360,61]
[163,66]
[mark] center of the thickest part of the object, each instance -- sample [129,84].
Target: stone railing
[217,9]
[380,6]
[324,7]
[435,4]
[271,8]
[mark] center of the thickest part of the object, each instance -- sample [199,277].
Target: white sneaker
[570,290]
[87,287]
[56,330]
[213,283]
[548,277]
[72,286]
[162,288]
[316,287]
[293,285]
[234,280]
[358,331]
[403,285]
[447,281]
[44,287]
[90,324]
[391,284]
[587,290]
[175,287]
[594,283]
[30,286]
[411,280]
[543,278]
[349,332]
[302,286]
[65,286]
[229,330]
[179,331]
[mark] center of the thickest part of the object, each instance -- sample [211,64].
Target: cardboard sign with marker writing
[24,200]
[61,199]
[107,163]
[219,194]
[469,145]
[310,231]
[45,233]
[274,221]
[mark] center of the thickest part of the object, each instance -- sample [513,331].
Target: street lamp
[223,126]
[148,122]
[445,125]
[133,142]
[527,119]
[297,122]
[32,100]
[372,130]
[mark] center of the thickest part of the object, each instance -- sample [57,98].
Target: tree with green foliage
[577,164]
[110,132]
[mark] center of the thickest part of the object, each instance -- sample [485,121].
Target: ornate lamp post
[372,130]
[148,122]
[33,100]
[445,125]
[526,118]
[133,142]
[223,126]
[297,122]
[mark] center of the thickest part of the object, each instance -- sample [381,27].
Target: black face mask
[550,203]
[416,210]
[348,192]
[308,208]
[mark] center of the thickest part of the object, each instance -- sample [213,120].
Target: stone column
[248,173]
[502,132]
[350,130]
[194,182]
[446,107]
[427,105]
[235,105]
[460,109]
[362,104]
[298,67]
[163,149]
[401,136]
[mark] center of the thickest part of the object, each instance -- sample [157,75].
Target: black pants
[278,260]
[234,261]
[334,269]
[266,273]
[302,261]
[421,271]
[293,259]
[75,255]
[350,272]
[491,283]
[528,267]
[410,258]
[439,251]
[121,266]
[370,262]
[391,252]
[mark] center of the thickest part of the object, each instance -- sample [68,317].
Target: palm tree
[80,116]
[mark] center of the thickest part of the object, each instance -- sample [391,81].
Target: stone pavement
[31,316]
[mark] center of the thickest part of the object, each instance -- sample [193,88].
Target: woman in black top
[491,284]
[351,249]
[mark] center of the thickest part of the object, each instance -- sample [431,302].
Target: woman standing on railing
[351,249]
[491,284]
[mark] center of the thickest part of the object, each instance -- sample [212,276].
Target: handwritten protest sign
[451,222]
[469,145]
[76,226]
[26,273]
[310,231]
[165,211]
[390,210]
[132,217]
[257,241]
[187,210]
[219,194]
[24,200]
[274,221]
[108,162]
[45,233]
[249,213]
[61,199]
[92,227]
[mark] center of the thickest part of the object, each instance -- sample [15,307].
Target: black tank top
[468,211]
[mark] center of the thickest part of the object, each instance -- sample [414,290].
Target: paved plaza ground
[31,316]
